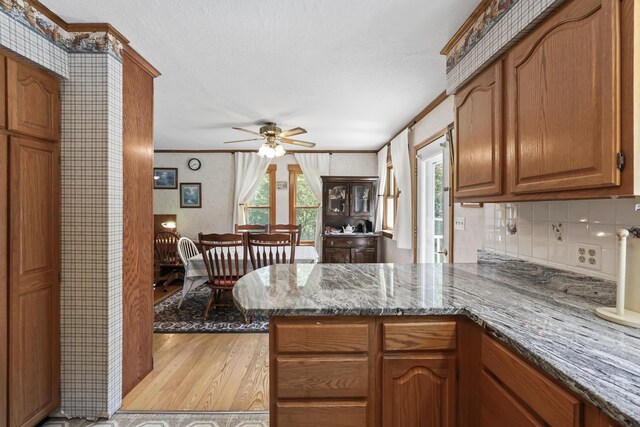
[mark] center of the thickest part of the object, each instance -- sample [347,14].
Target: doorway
[432,220]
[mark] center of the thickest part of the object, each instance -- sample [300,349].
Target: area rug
[238,419]
[168,318]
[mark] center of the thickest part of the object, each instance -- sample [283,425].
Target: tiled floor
[244,419]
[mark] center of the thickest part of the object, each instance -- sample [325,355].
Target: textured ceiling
[351,72]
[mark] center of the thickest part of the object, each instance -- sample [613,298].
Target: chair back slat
[187,249]
[166,245]
[294,229]
[220,253]
[268,249]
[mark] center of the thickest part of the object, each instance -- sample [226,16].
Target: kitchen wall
[465,242]
[550,233]
[216,176]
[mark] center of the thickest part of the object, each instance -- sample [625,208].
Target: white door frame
[441,137]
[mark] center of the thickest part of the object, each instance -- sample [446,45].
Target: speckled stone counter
[546,315]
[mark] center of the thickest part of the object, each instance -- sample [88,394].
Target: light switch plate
[458,223]
[588,256]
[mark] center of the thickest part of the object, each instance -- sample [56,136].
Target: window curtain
[402,232]
[249,172]
[313,166]
[382,184]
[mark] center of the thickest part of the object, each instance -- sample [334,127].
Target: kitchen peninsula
[388,344]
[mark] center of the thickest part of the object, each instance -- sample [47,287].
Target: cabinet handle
[331,243]
[349,242]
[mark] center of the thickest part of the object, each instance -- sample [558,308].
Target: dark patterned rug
[168,318]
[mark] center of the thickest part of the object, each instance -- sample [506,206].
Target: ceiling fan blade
[291,132]
[243,140]
[297,142]
[247,131]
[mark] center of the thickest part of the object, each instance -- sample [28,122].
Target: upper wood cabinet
[33,100]
[563,104]
[478,121]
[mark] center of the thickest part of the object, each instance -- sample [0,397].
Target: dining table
[195,272]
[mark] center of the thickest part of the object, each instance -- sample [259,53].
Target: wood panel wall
[137,248]
[4,284]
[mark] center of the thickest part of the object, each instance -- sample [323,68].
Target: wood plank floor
[205,372]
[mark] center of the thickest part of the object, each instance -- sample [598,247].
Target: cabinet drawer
[322,338]
[419,336]
[322,414]
[351,242]
[322,377]
[550,402]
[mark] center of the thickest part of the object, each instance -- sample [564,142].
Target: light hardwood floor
[205,372]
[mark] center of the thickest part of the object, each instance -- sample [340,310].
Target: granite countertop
[546,315]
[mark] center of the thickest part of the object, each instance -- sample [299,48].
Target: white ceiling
[352,72]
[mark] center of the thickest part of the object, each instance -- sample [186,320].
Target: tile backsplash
[551,233]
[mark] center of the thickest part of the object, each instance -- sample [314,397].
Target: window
[303,205]
[390,197]
[261,209]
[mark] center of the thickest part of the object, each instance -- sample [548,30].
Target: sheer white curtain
[402,232]
[382,184]
[249,172]
[315,165]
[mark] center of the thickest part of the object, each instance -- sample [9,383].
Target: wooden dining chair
[267,249]
[249,228]
[171,268]
[225,265]
[294,229]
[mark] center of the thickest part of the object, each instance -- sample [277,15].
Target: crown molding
[168,151]
[421,115]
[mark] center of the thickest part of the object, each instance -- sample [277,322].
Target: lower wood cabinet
[409,371]
[419,391]
[34,283]
[350,250]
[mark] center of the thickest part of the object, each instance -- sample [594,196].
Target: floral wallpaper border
[96,42]
[491,15]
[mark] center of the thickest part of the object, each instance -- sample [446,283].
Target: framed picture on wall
[165,178]
[190,195]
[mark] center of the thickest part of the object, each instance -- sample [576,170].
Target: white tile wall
[547,232]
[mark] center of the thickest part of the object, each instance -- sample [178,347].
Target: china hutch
[348,217]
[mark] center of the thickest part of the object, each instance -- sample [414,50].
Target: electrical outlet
[458,223]
[588,256]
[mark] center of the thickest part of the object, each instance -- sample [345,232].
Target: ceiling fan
[272,134]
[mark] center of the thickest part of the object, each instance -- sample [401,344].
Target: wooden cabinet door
[418,391]
[34,288]
[363,255]
[337,255]
[336,199]
[499,407]
[478,149]
[563,101]
[33,99]
[362,199]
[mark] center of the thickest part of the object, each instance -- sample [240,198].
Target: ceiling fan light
[266,151]
[279,151]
